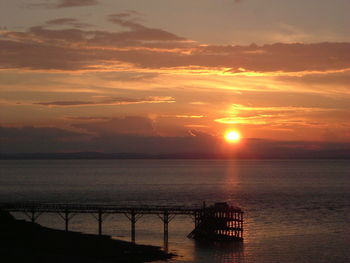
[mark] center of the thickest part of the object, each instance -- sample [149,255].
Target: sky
[173,76]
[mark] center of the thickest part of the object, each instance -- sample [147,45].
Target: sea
[295,210]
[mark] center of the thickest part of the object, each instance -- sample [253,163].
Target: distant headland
[306,154]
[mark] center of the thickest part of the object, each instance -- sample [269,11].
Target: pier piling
[100,222]
[133,226]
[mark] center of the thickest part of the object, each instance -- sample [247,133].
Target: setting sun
[232,136]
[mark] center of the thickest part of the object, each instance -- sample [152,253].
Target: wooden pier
[219,222]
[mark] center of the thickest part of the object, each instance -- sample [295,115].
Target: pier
[217,222]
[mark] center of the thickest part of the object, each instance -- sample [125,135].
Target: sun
[232,136]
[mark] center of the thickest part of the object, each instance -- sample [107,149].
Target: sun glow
[232,136]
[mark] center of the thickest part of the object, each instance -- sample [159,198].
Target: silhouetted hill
[23,241]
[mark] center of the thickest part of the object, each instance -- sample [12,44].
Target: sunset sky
[171,76]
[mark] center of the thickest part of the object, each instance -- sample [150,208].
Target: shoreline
[24,241]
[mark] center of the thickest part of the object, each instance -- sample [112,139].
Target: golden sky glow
[134,70]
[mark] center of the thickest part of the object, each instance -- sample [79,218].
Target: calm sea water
[295,211]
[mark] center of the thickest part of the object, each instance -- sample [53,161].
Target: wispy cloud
[109,101]
[80,118]
[67,22]
[183,116]
[74,3]
[63,4]
[294,116]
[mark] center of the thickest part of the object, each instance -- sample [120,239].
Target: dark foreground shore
[22,241]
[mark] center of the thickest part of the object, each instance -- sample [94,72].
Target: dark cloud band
[42,48]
